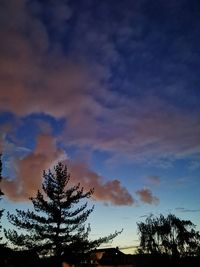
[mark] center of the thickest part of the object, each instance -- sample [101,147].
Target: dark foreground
[10,258]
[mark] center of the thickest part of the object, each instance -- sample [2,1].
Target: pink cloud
[34,81]
[46,154]
[110,191]
[146,196]
[30,168]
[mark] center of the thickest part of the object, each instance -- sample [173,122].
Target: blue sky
[112,89]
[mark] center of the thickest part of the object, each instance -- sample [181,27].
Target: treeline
[57,225]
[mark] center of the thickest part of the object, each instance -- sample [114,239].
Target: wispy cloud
[185,210]
[153,179]
[194,164]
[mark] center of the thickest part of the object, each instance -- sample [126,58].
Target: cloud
[68,85]
[29,169]
[143,132]
[46,70]
[46,80]
[146,196]
[110,191]
[194,164]
[153,179]
[184,210]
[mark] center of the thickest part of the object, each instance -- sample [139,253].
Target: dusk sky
[111,88]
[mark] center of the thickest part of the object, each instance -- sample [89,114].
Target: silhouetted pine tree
[58,222]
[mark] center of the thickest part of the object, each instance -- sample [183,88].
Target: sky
[110,88]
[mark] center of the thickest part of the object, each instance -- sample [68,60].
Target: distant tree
[1,194]
[57,223]
[169,235]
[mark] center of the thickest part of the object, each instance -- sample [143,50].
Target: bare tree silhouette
[169,235]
